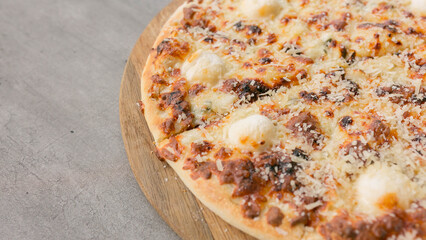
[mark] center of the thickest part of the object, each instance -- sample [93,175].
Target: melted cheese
[382,188]
[204,67]
[419,6]
[261,8]
[251,133]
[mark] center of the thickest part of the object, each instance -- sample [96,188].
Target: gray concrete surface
[63,169]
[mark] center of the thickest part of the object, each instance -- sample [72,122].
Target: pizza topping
[204,67]
[382,188]
[199,169]
[309,97]
[260,8]
[273,112]
[402,95]
[272,38]
[294,70]
[380,131]
[390,25]
[194,16]
[418,6]
[251,89]
[253,30]
[223,153]
[274,216]
[172,47]
[168,126]
[346,121]
[141,106]
[201,148]
[196,89]
[171,151]
[306,125]
[386,226]
[358,150]
[297,152]
[251,133]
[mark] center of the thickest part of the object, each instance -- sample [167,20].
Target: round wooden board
[167,194]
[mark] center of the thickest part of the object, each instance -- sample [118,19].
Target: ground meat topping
[310,97]
[223,153]
[389,25]
[274,216]
[380,131]
[249,89]
[201,148]
[199,169]
[171,151]
[357,149]
[342,227]
[307,126]
[402,94]
[172,47]
[195,89]
[194,16]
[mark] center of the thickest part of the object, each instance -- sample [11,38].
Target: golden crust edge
[219,201]
[151,112]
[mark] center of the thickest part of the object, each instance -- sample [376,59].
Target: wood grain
[189,218]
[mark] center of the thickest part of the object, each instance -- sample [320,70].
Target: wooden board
[161,186]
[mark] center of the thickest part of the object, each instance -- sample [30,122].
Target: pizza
[296,119]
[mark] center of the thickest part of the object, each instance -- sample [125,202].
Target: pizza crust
[218,199]
[151,111]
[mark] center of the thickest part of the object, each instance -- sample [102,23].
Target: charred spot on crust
[239,26]
[253,30]
[265,60]
[272,38]
[346,121]
[209,40]
[297,152]
[310,97]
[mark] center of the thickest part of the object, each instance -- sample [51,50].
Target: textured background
[63,169]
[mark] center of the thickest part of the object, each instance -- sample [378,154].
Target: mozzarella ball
[261,8]
[382,188]
[254,132]
[419,6]
[204,67]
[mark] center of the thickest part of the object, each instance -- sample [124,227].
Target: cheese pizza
[296,119]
